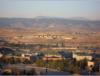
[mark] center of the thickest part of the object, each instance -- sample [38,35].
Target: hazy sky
[54,8]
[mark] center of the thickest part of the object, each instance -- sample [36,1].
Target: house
[53,57]
[26,56]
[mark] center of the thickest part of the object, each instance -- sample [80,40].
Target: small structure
[90,63]
[26,56]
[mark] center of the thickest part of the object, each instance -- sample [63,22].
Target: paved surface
[43,70]
[39,70]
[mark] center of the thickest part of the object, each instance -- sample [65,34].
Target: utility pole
[47,61]
[46,66]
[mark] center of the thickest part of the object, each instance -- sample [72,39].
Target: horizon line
[55,17]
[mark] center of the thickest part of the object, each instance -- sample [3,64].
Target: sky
[53,8]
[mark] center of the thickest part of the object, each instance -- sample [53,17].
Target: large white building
[81,56]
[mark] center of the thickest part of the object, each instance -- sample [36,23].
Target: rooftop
[83,54]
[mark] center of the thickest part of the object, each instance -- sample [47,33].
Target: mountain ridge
[50,24]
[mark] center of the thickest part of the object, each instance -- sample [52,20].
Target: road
[39,70]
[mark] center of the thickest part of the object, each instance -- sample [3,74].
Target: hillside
[50,24]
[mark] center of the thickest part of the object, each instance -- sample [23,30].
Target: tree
[40,63]
[83,63]
[32,72]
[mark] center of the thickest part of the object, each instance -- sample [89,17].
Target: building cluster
[78,56]
[44,36]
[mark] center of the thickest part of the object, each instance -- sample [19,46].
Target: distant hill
[50,24]
[79,18]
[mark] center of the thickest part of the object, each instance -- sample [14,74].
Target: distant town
[58,50]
